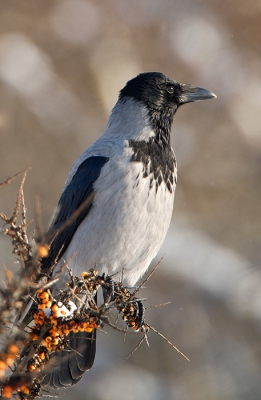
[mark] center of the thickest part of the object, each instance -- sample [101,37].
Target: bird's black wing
[74,205]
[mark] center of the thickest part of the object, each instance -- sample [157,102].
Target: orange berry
[26,390]
[83,326]
[43,251]
[54,322]
[55,308]
[9,361]
[42,306]
[13,349]
[41,314]
[31,367]
[43,343]
[85,274]
[53,332]
[42,355]
[7,392]
[3,365]
[44,295]
[88,329]
[48,339]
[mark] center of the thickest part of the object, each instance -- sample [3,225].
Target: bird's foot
[110,289]
[133,313]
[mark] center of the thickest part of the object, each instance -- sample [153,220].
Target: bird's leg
[133,313]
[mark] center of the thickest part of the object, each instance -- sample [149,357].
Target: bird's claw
[110,290]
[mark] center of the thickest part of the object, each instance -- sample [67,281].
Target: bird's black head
[162,96]
[154,90]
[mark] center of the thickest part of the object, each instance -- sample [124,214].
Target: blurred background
[62,63]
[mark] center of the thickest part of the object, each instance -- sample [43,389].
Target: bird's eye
[170,89]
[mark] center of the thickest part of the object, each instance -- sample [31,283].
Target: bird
[123,187]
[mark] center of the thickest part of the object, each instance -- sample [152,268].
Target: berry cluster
[61,320]
[54,319]
[52,322]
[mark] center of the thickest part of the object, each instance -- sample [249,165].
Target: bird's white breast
[127,223]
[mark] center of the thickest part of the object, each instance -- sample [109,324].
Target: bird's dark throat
[158,161]
[161,121]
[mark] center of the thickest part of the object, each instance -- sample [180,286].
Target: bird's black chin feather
[161,121]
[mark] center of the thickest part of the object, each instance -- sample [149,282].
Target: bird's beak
[191,93]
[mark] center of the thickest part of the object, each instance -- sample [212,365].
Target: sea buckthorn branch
[52,320]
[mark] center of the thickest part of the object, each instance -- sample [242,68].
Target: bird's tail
[68,366]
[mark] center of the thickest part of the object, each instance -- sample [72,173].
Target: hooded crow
[126,181]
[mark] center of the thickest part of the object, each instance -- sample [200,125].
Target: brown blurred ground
[62,64]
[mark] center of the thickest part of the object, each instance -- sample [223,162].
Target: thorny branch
[28,344]
[9,180]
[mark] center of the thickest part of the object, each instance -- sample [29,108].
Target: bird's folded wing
[68,366]
[74,205]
